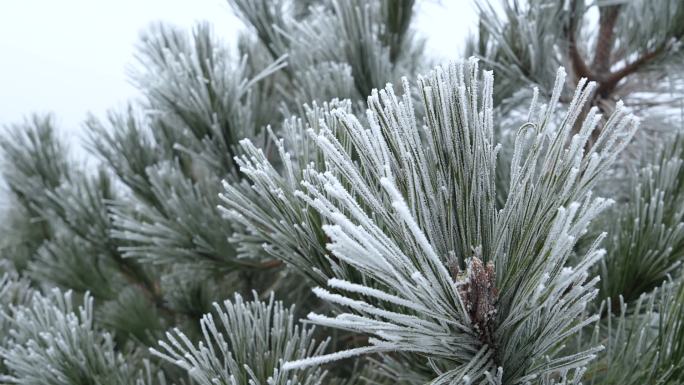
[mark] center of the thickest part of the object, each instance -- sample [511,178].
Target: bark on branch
[579,66]
[600,71]
[606,38]
[608,84]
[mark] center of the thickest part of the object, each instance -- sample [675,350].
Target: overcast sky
[70,56]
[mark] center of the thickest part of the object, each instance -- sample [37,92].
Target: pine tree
[279,214]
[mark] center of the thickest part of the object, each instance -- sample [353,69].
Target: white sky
[70,56]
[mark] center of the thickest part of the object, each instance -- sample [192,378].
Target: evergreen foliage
[53,342]
[249,345]
[501,226]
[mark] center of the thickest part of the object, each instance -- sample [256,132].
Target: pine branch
[268,19]
[82,207]
[60,339]
[267,213]
[449,258]
[647,242]
[398,15]
[245,342]
[377,225]
[643,339]
[34,163]
[128,149]
[203,96]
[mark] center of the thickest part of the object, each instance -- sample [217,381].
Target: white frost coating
[355,288]
[319,360]
[224,355]
[403,211]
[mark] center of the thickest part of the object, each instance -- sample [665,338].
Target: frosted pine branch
[388,210]
[51,341]
[245,342]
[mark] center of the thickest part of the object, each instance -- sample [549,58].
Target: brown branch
[135,275]
[608,84]
[479,294]
[606,38]
[579,66]
[271,264]
[600,70]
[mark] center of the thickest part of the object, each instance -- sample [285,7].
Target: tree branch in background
[579,66]
[606,38]
[608,84]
